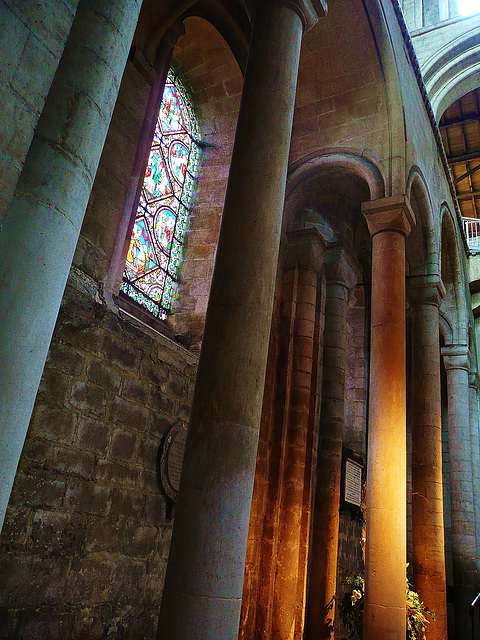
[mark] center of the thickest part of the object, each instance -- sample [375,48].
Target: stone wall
[86,538]
[215,80]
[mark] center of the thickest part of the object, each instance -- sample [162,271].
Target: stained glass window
[155,251]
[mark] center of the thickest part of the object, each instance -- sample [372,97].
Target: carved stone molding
[389,214]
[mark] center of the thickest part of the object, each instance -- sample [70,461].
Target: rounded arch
[423,242]
[325,190]
[454,305]
[348,160]
[211,69]
[445,326]
[453,71]
[231,22]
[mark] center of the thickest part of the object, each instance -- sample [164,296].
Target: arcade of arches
[317,372]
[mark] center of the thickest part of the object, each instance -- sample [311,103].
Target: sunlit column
[464,548]
[306,249]
[42,225]
[389,222]
[427,489]
[203,588]
[341,276]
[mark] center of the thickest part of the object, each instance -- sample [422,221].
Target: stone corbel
[341,268]
[426,289]
[456,356]
[308,10]
[306,247]
[389,214]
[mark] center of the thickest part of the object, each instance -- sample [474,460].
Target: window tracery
[153,258]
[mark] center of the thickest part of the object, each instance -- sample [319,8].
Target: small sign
[353,482]
[171,459]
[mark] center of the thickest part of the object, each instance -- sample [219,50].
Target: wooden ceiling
[460,129]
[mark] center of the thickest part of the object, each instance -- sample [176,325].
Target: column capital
[389,214]
[340,267]
[307,248]
[474,380]
[308,10]
[455,356]
[426,289]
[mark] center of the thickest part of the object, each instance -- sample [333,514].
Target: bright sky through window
[467,7]
[155,251]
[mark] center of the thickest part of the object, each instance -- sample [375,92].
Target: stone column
[42,224]
[306,257]
[464,548]
[341,275]
[389,221]
[427,487]
[203,588]
[473,383]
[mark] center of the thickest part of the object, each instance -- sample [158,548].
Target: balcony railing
[472,231]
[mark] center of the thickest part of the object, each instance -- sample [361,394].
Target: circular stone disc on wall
[171,459]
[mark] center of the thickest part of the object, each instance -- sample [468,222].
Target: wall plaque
[171,459]
[353,482]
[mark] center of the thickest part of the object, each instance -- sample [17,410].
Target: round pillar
[464,549]
[474,382]
[427,485]
[203,587]
[341,277]
[306,257]
[42,224]
[389,222]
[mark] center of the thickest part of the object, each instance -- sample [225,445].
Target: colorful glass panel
[155,252]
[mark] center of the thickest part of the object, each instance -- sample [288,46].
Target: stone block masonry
[86,536]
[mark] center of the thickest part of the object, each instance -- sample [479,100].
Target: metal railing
[472,231]
[475,607]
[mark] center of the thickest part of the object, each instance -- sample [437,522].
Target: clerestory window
[153,259]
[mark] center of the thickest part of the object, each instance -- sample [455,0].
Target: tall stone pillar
[474,383]
[203,588]
[389,222]
[464,550]
[306,255]
[42,224]
[427,487]
[341,276]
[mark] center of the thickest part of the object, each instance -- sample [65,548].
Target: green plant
[352,603]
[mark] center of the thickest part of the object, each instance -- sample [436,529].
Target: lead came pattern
[155,251]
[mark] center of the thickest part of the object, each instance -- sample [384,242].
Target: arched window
[151,271]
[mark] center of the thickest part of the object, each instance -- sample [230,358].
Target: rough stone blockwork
[86,539]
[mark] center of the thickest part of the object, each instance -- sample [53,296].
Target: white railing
[472,231]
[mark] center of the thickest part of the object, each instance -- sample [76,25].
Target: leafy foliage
[352,604]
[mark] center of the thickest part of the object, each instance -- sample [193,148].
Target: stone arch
[206,62]
[346,159]
[326,189]
[232,23]
[216,94]
[423,241]
[445,326]
[453,71]
[454,305]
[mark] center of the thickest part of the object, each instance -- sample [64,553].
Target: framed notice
[353,482]
[352,479]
